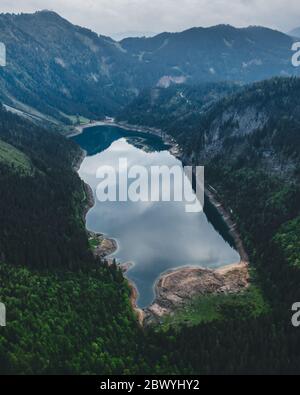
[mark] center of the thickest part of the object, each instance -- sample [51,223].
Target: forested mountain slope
[264,116]
[57,68]
[161,107]
[260,121]
[41,197]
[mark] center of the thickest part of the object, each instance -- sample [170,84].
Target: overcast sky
[113,16]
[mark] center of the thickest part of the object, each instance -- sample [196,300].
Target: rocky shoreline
[80,128]
[176,288]
[104,246]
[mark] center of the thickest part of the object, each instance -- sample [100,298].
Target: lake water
[155,237]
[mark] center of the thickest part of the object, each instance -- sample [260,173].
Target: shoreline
[111,245]
[232,226]
[80,128]
[112,249]
[242,267]
[175,288]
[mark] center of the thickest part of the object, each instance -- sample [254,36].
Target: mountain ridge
[58,76]
[93,75]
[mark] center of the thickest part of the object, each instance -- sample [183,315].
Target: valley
[135,288]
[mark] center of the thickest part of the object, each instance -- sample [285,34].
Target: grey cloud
[111,16]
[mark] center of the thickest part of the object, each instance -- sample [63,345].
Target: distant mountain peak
[222,26]
[46,11]
[132,33]
[45,14]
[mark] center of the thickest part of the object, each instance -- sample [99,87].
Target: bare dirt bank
[80,128]
[176,288]
[102,246]
[140,314]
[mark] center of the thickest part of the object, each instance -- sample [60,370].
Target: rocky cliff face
[259,124]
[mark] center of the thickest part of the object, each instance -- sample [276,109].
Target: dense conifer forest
[41,198]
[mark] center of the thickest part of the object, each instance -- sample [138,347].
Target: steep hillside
[260,121]
[15,160]
[41,197]
[56,67]
[161,107]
